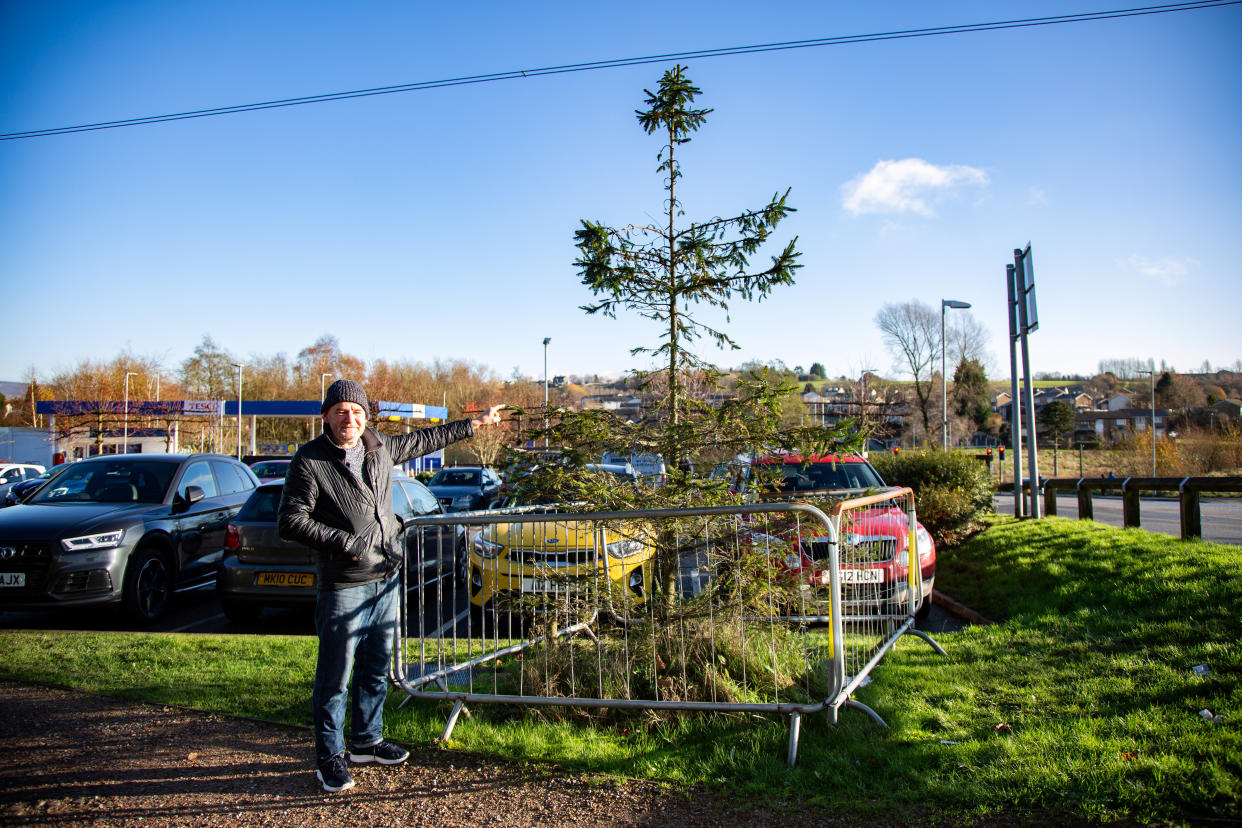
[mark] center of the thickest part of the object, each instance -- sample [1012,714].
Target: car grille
[31,557]
[870,551]
[556,557]
[867,599]
[21,551]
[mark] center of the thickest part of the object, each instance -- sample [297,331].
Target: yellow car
[564,565]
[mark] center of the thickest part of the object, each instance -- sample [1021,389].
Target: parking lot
[199,612]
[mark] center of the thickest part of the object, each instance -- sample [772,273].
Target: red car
[875,540]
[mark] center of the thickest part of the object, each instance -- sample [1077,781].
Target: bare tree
[488,444]
[966,338]
[1124,369]
[911,333]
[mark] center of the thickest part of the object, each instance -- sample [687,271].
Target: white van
[650,467]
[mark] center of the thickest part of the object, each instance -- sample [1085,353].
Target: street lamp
[546,340]
[1152,373]
[322,391]
[125,437]
[239,367]
[944,383]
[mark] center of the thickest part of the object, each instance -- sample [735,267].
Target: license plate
[546,585]
[12,579]
[862,576]
[286,579]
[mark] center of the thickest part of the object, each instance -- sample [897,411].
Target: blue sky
[439,224]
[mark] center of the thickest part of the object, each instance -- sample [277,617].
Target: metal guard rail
[1189,493]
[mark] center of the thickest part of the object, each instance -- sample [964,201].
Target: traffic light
[1002,454]
[896,449]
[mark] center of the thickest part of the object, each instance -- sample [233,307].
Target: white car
[11,473]
[650,467]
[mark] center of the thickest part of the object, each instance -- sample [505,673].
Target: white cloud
[907,186]
[1168,270]
[1036,197]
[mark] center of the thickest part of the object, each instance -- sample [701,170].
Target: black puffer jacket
[350,525]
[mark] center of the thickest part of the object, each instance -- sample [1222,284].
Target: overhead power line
[514,74]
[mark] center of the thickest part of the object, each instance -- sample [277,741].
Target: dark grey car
[124,530]
[260,569]
[465,488]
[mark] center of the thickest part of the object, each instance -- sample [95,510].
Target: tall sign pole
[1028,319]
[1015,408]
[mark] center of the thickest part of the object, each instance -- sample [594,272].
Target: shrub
[951,490]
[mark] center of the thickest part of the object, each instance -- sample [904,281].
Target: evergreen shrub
[951,490]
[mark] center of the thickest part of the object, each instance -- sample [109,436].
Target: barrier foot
[931,641]
[795,728]
[857,705]
[452,721]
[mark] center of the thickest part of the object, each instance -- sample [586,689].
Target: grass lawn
[1083,701]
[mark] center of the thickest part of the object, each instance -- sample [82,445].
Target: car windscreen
[423,501]
[261,506]
[53,471]
[827,475]
[141,481]
[271,468]
[457,477]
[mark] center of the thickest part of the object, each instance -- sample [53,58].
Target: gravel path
[73,758]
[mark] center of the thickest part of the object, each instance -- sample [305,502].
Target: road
[1222,517]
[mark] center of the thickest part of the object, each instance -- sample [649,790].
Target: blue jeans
[355,627]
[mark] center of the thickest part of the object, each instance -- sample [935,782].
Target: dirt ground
[70,758]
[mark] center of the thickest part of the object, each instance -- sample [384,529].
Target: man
[338,501]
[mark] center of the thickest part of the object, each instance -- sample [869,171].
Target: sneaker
[334,775]
[383,751]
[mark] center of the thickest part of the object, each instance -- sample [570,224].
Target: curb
[960,610]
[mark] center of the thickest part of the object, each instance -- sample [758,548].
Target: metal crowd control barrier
[777,608]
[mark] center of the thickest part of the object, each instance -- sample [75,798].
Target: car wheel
[148,586]
[462,573]
[241,612]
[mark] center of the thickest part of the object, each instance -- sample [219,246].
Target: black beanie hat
[344,390]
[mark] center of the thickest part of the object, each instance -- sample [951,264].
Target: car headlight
[486,548]
[103,540]
[624,548]
[924,541]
